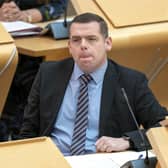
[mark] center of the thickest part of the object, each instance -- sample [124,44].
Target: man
[53,103]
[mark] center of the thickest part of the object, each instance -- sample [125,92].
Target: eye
[75,39]
[92,39]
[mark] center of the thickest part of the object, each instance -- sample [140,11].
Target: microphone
[59,28]
[139,163]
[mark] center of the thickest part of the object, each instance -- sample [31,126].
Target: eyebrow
[84,36]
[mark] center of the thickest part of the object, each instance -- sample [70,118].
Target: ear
[108,43]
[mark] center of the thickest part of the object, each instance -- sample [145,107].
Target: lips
[85,56]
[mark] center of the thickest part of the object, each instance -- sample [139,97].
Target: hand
[1,15]
[11,12]
[110,144]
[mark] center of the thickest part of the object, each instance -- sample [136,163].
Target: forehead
[91,28]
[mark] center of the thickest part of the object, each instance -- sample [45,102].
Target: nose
[84,44]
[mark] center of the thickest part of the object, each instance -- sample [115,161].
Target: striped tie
[81,120]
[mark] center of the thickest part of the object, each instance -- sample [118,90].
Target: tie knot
[85,79]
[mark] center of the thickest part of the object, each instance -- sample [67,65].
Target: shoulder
[124,71]
[128,77]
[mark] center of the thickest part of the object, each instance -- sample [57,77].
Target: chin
[87,69]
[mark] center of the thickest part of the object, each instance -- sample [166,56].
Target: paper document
[107,160]
[91,161]
[19,28]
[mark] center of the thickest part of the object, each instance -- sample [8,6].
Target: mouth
[85,57]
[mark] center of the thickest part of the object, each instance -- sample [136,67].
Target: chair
[8,64]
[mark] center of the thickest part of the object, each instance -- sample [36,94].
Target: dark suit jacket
[115,119]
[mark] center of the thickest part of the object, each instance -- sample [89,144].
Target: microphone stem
[147,158]
[132,113]
[137,125]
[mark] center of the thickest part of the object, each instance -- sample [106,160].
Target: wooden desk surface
[5,37]
[45,46]
[42,46]
[158,139]
[130,12]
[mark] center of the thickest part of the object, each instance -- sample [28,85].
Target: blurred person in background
[31,11]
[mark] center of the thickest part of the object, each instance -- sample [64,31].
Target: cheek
[100,50]
[72,50]
[74,53]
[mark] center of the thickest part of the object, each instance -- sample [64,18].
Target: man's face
[88,46]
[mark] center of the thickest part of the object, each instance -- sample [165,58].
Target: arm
[12,12]
[53,10]
[30,127]
[47,12]
[148,113]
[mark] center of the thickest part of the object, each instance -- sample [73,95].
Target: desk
[45,46]
[140,42]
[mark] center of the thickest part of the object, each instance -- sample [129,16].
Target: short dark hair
[91,17]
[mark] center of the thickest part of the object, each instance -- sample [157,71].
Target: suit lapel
[59,85]
[110,86]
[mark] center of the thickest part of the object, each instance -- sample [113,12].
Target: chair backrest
[8,64]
